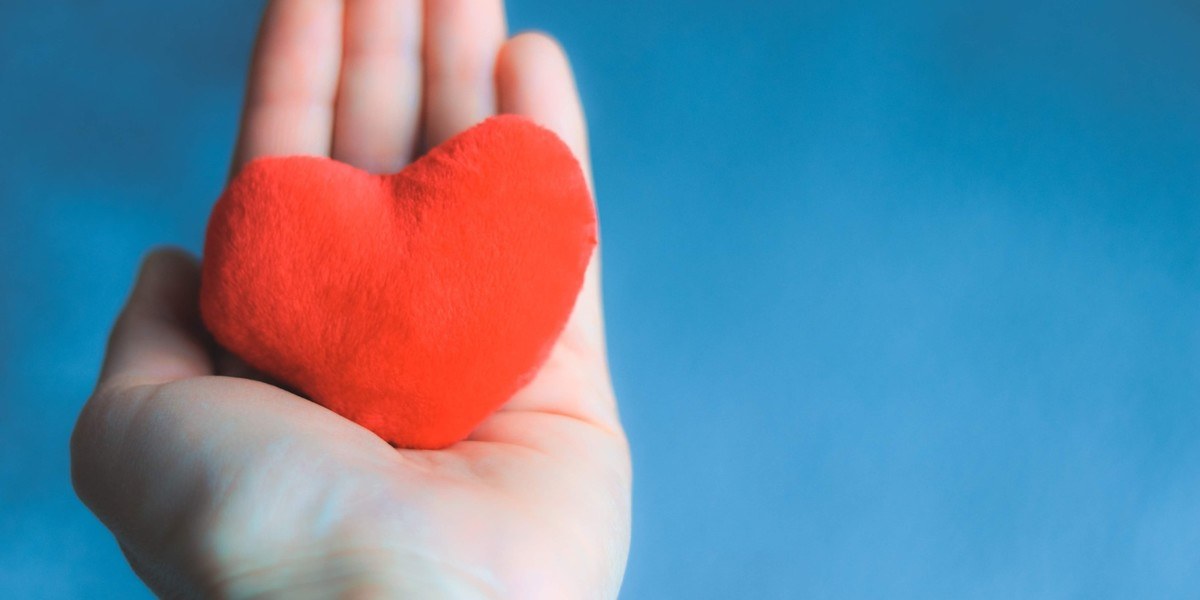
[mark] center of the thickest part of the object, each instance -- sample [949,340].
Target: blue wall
[904,297]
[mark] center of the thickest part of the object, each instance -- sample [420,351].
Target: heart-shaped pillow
[414,304]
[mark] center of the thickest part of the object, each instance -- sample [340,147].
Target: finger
[293,81]
[533,79]
[461,41]
[159,337]
[379,96]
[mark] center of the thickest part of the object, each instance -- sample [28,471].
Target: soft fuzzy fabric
[414,304]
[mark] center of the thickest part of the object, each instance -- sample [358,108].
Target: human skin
[216,483]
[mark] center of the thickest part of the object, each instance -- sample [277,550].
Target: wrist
[353,574]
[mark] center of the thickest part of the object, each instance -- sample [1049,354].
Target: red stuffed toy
[414,304]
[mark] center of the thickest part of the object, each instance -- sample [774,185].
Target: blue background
[904,297]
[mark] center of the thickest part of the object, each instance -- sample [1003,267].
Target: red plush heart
[414,304]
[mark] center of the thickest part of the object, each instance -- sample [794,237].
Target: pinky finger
[534,79]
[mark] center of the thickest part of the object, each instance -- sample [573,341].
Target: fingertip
[158,335]
[536,42]
[166,273]
[534,79]
[167,259]
[527,58]
[527,54]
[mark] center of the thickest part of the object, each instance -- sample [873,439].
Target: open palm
[218,484]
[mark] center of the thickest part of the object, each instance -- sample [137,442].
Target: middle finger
[379,93]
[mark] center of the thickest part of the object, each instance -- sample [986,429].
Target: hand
[226,486]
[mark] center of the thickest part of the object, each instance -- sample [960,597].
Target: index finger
[293,81]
